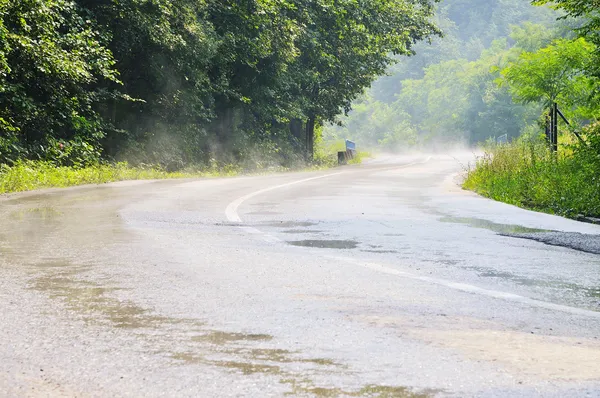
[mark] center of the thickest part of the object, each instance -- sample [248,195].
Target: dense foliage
[186,81]
[527,172]
[52,65]
[449,91]
[515,175]
[493,77]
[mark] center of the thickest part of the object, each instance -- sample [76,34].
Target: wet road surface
[384,279]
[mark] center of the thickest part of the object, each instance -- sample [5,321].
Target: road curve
[384,279]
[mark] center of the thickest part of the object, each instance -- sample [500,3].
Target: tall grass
[527,174]
[28,175]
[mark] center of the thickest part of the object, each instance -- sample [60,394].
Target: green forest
[154,88]
[464,87]
[181,82]
[489,82]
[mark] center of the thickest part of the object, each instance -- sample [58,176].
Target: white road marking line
[231,212]
[464,287]
[233,216]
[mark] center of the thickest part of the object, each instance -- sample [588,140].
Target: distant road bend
[384,279]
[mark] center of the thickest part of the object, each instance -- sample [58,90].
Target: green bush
[77,153]
[526,173]
[590,152]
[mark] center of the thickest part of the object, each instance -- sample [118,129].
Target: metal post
[549,127]
[555,127]
[569,124]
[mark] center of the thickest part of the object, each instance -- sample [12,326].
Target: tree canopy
[499,64]
[553,73]
[183,81]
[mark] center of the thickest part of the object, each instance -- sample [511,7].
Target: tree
[555,73]
[163,52]
[183,81]
[345,45]
[587,13]
[449,88]
[588,9]
[51,61]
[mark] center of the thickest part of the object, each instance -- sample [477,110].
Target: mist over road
[384,278]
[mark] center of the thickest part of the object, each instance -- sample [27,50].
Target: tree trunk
[224,127]
[296,129]
[310,138]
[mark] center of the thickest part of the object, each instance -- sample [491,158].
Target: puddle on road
[283,356]
[252,360]
[263,213]
[270,354]
[256,360]
[305,387]
[29,198]
[92,302]
[444,262]
[288,224]
[489,225]
[220,338]
[589,292]
[325,244]
[586,243]
[188,357]
[228,224]
[95,305]
[247,368]
[37,213]
[234,351]
[301,231]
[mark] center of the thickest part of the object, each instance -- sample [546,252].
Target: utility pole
[552,127]
[555,127]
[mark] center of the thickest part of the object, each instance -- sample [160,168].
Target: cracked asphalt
[384,279]
[589,243]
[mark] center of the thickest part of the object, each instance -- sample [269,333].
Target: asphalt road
[384,279]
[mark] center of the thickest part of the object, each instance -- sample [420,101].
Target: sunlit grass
[360,157]
[30,175]
[528,174]
[27,175]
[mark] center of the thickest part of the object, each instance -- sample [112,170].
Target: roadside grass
[29,175]
[360,157]
[527,174]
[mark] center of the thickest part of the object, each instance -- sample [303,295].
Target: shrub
[526,173]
